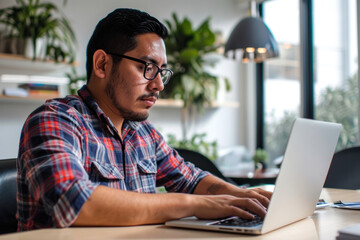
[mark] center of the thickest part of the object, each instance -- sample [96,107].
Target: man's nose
[157,83]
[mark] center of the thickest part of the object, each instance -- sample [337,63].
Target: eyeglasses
[151,69]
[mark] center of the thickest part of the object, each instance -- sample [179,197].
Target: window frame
[306,71]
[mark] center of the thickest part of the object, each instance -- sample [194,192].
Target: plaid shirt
[69,146]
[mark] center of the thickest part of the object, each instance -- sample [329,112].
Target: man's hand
[260,194]
[220,206]
[233,200]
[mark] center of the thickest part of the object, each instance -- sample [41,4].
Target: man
[93,159]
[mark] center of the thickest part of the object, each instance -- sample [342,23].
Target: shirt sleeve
[175,174]
[52,176]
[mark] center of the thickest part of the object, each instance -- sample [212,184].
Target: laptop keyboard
[239,222]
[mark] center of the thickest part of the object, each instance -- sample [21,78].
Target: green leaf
[186,27]
[187,55]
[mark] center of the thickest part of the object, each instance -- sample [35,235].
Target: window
[335,70]
[335,66]
[282,86]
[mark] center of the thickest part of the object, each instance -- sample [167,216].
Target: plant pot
[29,48]
[261,165]
[12,46]
[2,43]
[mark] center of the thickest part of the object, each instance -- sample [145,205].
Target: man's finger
[263,192]
[254,193]
[251,205]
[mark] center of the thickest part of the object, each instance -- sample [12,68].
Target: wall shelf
[172,103]
[30,100]
[18,64]
[179,103]
[12,63]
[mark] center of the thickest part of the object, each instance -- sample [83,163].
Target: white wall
[229,126]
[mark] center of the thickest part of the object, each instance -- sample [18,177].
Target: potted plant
[187,52]
[31,20]
[196,143]
[260,159]
[76,81]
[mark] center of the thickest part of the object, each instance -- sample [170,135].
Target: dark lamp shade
[251,40]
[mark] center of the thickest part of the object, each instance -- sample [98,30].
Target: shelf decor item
[35,24]
[190,53]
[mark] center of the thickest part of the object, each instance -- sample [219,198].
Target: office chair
[344,169]
[202,162]
[8,189]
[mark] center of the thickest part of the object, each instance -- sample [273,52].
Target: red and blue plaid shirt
[69,146]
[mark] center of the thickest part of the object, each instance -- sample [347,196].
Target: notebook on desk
[306,161]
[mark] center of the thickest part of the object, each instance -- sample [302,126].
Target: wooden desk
[323,225]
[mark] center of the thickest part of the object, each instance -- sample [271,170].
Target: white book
[15,92]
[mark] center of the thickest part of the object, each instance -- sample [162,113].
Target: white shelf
[159,103]
[22,100]
[15,64]
[179,103]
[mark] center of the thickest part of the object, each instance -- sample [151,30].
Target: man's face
[131,94]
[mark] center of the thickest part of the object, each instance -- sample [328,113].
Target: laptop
[305,164]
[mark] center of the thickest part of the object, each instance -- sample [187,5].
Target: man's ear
[100,63]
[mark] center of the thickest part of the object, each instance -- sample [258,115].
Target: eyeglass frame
[159,70]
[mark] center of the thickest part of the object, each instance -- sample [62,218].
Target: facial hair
[125,113]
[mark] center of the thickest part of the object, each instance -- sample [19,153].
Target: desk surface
[323,224]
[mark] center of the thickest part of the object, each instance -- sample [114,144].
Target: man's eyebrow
[147,58]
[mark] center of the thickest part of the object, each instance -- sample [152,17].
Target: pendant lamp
[251,40]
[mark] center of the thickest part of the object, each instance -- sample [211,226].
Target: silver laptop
[306,161]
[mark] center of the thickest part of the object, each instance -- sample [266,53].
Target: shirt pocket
[106,174]
[147,175]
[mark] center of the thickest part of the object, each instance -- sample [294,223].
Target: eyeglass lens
[152,70]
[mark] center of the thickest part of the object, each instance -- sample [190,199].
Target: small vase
[29,48]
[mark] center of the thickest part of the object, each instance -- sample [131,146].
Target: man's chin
[137,117]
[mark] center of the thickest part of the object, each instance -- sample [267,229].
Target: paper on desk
[347,205]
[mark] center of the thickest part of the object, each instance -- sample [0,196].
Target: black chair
[8,189]
[202,162]
[344,170]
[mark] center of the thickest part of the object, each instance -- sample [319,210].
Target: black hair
[118,30]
